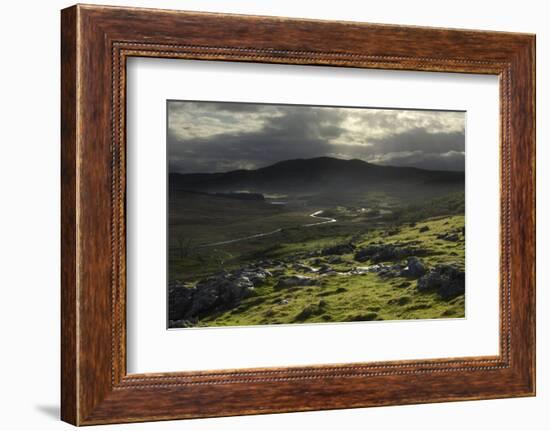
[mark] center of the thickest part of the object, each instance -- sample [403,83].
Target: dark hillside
[325,173]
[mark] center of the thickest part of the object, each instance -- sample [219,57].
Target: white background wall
[29,215]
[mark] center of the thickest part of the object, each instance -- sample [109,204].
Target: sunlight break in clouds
[223,136]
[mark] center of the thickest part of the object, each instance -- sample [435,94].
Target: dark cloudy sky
[219,137]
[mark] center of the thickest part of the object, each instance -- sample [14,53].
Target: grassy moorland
[306,256]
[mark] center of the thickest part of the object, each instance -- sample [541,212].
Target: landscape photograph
[297,214]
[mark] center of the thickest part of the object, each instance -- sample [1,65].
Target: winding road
[316,215]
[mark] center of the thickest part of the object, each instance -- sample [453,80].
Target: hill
[326,173]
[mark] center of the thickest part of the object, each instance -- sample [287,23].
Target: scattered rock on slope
[415,268]
[222,291]
[450,236]
[384,252]
[447,280]
[180,296]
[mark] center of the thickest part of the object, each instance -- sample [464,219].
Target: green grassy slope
[343,297]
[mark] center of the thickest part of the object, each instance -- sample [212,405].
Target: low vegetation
[386,257]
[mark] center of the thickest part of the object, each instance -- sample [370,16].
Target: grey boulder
[447,280]
[180,298]
[223,292]
[415,268]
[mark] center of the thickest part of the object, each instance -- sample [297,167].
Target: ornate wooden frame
[96,41]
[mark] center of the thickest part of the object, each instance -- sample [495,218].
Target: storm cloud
[223,136]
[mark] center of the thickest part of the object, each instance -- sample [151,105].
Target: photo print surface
[295,214]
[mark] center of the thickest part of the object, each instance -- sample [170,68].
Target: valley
[315,241]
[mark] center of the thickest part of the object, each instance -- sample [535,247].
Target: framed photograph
[265,215]
[282,214]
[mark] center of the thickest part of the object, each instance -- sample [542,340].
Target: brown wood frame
[95,42]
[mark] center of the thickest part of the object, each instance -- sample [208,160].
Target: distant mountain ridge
[315,173]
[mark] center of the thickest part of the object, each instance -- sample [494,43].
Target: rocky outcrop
[447,280]
[256,275]
[324,268]
[381,269]
[360,270]
[335,260]
[388,271]
[451,236]
[415,268]
[222,291]
[180,299]
[385,252]
[304,268]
